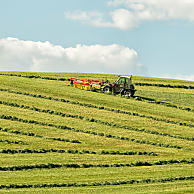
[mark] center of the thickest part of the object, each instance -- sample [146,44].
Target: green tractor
[122,86]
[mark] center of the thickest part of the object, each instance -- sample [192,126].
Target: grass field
[58,139]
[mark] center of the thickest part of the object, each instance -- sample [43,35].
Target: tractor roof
[125,77]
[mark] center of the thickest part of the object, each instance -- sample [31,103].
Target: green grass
[40,112]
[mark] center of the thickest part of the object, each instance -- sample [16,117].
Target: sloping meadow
[56,138]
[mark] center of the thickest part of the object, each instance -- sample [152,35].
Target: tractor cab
[123,82]
[122,86]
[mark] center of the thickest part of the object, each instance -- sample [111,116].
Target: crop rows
[36,77]
[39,136]
[153,101]
[139,84]
[150,100]
[165,85]
[52,112]
[67,79]
[51,166]
[109,152]
[99,107]
[103,152]
[95,184]
[63,127]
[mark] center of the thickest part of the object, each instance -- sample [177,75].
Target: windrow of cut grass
[51,166]
[152,100]
[63,78]
[78,140]
[39,136]
[63,127]
[86,105]
[176,187]
[176,98]
[152,110]
[53,112]
[96,184]
[12,142]
[101,134]
[89,142]
[83,175]
[92,120]
[56,156]
[103,152]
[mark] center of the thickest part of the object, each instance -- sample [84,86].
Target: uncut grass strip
[73,165]
[63,127]
[97,184]
[30,151]
[53,112]
[38,136]
[168,104]
[135,114]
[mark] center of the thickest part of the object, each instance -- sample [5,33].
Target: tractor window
[121,80]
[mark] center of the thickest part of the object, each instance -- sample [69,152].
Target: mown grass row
[103,152]
[98,107]
[67,79]
[51,166]
[165,85]
[151,100]
[96,184]
[36,77]
[39,136]
[12,142]
[52,112]
[63,127]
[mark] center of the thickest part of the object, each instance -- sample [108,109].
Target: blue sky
[145,38]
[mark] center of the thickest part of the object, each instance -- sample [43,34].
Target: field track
[58,139]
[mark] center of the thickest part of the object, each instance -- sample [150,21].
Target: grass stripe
[164,85]
[67,79]
[53,112]
[96,184]
[51,166]
[63,127]
[103,152]
[12,142]
[98,107]
[38,136]
[167,104]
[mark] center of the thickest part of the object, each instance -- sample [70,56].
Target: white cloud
[19,55]
[179,77]
[93,17]
[130,13]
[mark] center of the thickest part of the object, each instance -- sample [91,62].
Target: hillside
[56,138]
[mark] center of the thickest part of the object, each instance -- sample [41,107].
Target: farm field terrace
[56,138]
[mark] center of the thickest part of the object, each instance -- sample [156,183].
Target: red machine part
[88,81]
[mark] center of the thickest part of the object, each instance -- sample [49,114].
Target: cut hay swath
[57,138]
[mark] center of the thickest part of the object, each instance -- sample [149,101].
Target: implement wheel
[107,90]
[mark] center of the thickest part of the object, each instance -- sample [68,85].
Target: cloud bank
[128,14]
[19,55]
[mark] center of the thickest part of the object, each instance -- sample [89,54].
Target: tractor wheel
[123,92]
[130,93]
[107,90]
